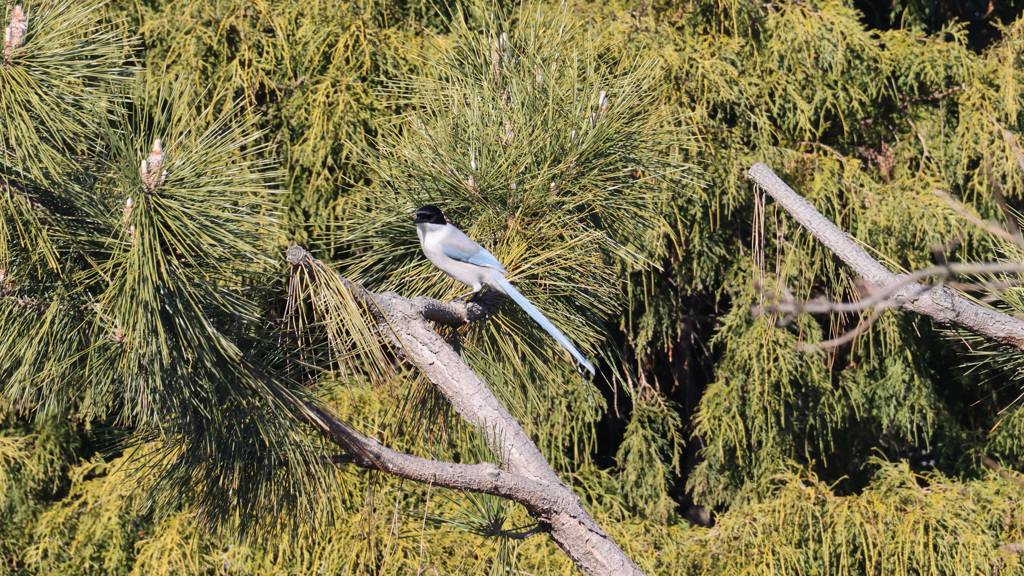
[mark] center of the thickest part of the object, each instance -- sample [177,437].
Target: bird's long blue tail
[546,324]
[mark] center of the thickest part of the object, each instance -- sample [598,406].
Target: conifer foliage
[138,250]
[165,374]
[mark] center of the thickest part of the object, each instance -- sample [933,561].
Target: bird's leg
[470,293]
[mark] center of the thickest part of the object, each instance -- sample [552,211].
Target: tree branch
[540,498]
[847,337]
[527,477]
[937,302]
[991,228]
[887,297]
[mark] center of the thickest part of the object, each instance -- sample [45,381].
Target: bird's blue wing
[462,248]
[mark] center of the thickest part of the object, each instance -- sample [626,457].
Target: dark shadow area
[980,17]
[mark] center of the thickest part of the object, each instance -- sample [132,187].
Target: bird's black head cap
[430,214]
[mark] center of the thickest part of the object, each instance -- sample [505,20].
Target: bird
[459,256]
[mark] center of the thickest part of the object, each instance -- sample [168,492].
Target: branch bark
[937,302]
[525,475]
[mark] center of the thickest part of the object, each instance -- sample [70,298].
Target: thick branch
[404,324]
[937,302]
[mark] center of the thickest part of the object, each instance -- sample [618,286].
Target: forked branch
[525,475]
[939,303]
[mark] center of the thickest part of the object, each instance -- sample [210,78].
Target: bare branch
[997,193]
[540,498]
[847,337]
[14,34]
[937,302]
[1009,139]
[455,313]
[1015,547]
[998,469]
[889,296]
[989,227]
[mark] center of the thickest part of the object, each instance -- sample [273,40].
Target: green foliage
[865,124]
[903,523]
[309,69]
[771,399]
[513,139]
[649,458]
[58,86]
[90,529]
[151,312]
[155,361]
